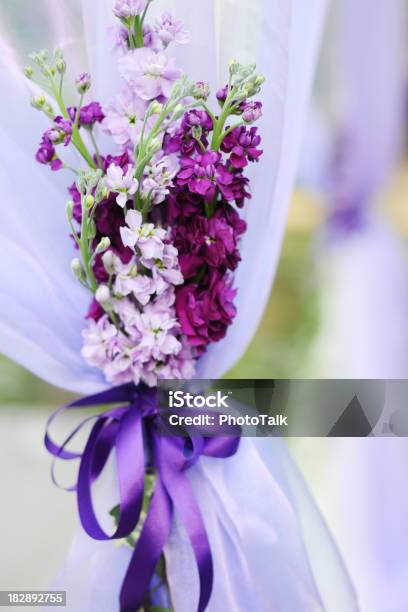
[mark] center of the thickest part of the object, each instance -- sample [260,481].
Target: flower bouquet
[155,232]
[156,227]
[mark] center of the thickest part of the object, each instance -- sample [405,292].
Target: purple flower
[95,311]
[46,154]
[182,140]
[213,242]
[252,111]
[150,74]
[197,118]
[206,313]
[89,114]
[61,132]
[222,95]
[203,173]
[168,30]
[129,8]
[242,146]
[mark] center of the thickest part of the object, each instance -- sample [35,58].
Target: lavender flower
[124,9]
[128,281]
[252,111]
[159,178]
[98,340]
[150,74]
[124,184]
[168,30]
[124,119]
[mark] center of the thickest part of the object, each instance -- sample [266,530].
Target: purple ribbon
[130,429]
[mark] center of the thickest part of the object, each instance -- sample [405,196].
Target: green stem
[76,137]
[227,109]
[84,248]
[95,145]
[138,32]
[131,39]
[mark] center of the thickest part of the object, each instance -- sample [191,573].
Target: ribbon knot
[133,430]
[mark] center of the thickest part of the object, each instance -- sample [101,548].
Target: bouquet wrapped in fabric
[155,232]
[156,224]
[156,228]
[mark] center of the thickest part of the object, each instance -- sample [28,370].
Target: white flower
[125,185]
[147,237]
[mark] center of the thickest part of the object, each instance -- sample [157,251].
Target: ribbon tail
[182,496]
[149,548]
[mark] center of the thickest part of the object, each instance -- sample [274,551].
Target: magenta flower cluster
[206,225]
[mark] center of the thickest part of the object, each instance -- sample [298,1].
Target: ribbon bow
[130,428]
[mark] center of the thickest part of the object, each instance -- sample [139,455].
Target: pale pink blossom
[98,339]
[150,74]
[124,119]
[168,30]
[129,8]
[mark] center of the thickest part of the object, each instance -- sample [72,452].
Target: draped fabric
[367,96]
[364,297]
[271,554]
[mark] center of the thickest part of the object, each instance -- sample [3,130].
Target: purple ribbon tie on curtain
[130,428]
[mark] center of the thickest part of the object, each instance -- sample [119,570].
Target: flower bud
[197,132]
[252,111]
[201,91]
[91,229]
[108,260]
[233,66]
[78,270]
[70,209]
[38,101]
[61,65]
[155,108]
[102,294]
[154,146]
[89,201]
[103,245]
[28,71]
[83,83]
